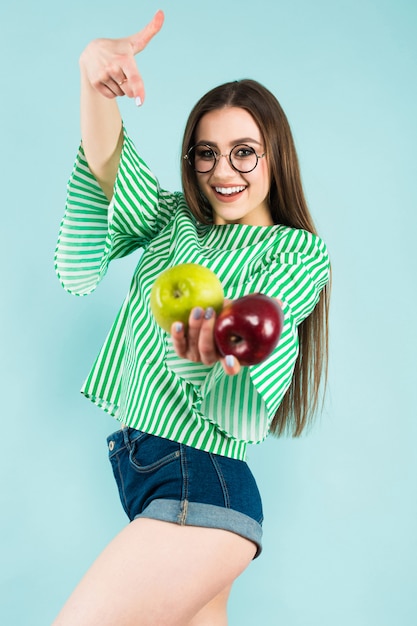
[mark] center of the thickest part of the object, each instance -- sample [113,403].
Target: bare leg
[214,613]
[157,573]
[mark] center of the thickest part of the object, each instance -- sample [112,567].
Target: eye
[243,152]
[205,153]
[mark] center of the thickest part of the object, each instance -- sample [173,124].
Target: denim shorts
[164,480]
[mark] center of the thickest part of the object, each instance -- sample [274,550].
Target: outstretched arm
[108,69]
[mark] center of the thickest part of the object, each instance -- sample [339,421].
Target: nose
[223,165]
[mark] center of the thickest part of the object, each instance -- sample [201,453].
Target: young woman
[187,415]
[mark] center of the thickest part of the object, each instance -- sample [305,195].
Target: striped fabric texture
[137,377]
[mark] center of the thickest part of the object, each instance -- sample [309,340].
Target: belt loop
[126,437]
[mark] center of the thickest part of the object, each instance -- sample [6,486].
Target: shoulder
[299,256]
[297,240]
[181,211]
[293,246]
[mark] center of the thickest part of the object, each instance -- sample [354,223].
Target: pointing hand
[110,66]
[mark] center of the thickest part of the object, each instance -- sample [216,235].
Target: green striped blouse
[137,377]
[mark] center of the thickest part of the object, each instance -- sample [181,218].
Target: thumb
[140,40]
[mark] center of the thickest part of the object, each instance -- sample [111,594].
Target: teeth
[227,191]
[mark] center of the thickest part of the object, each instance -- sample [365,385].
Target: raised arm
[108,69]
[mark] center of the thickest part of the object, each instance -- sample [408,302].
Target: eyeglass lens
[203,158]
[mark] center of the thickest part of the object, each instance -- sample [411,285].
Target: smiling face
[235,198]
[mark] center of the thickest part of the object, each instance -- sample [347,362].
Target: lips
[228,194]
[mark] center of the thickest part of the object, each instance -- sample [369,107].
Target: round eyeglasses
[203,158]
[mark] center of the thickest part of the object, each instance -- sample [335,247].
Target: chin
[228,217]
[222,221]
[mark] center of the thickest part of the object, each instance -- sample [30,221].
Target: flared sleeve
[94,231]
[298,276]
[295,272]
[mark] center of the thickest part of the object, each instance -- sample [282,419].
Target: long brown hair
[288,206]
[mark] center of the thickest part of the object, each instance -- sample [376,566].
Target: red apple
[249,328]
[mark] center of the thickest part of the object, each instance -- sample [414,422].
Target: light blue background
[340,504]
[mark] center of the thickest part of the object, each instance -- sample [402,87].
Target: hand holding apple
[181,288]
[249,328]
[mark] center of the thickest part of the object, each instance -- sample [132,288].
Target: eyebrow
[235,142]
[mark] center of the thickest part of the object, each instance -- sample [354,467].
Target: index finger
[140,40]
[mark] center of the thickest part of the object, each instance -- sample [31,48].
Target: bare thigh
[214,613]
[157,573]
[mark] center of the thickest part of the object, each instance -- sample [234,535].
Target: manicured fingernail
[230,360]
[138,101]
[197,313]
[209,313]
[178,327]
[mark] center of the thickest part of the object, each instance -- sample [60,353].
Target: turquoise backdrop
[340,504]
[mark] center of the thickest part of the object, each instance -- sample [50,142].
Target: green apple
[181,288]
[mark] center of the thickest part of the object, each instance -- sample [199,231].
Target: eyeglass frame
[217,157]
